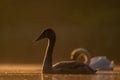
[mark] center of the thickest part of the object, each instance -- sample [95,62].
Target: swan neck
[47,64]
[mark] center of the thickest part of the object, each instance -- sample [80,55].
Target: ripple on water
[32,72]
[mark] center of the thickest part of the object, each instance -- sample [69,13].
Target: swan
[63,67]
[96,63]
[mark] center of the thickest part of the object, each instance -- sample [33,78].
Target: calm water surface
[32,72]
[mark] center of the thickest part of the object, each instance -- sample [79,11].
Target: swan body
[96,63]
[63,67]
[101,63]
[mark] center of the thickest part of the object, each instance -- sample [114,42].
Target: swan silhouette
[96,63]
[63,67]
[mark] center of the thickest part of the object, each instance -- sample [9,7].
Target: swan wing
[72,67]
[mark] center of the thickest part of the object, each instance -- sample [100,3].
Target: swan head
[48,33]
[81,55]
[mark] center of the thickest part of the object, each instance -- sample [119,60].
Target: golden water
[32,72]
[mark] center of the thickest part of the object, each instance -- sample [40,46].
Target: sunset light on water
[33,72]
[19,68]
[59,40]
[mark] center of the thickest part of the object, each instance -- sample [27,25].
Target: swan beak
[39,38]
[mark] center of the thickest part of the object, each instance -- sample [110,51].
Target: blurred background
[90,24]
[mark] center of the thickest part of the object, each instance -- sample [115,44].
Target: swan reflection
[79,77]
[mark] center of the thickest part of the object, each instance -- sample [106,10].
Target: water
[32,72]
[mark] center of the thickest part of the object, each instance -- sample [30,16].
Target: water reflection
[39,76]
[98,76]
[33,73]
